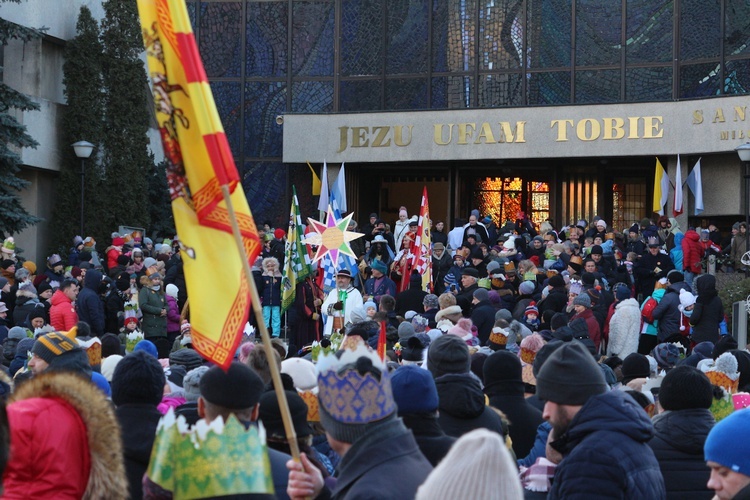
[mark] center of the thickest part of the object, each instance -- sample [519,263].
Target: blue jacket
[606,452]
[88,304]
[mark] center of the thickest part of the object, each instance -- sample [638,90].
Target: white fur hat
[686,299]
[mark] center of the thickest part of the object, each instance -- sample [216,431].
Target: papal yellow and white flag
[661,188]
[200,163]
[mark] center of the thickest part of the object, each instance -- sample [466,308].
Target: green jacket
[151,303]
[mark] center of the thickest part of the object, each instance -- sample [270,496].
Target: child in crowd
[531,317]
[272,295]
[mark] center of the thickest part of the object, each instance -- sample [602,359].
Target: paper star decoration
[332,237]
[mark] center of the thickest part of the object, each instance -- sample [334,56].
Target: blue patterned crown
[351,390]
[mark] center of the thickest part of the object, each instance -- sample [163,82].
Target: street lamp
[83,150]
[744,154]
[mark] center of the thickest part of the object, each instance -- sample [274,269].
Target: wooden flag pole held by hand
[286,416]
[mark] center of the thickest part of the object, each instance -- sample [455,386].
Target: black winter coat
[556,301]
[605,452]
[462,407]
[433,442]
[678,446]
[464,298]
[483,317]
[670,318]
[88,304]
[138,426]
[708,311]
[508,397]
[411,299]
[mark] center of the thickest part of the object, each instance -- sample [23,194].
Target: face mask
[687,313]
[156,288]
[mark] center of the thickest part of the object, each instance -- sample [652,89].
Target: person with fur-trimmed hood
[64,441]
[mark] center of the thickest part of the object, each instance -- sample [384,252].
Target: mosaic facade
[267,58]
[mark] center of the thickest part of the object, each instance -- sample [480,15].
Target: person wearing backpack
[15,335]
[650,325]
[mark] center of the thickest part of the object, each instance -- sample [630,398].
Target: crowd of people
[540,363]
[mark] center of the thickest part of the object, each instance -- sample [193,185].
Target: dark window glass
[597,86]
[737,77]
[549,88]
[228,98]
[220,38]
[312,97]
[501,36]
[452,92]
[361,37]
[648,84]
[264,101]
[312,38]
[266,35]
[699,80]
[407,36]
[361,95]
[700,36]
[549,24]
[500,90]
[649,31]
[267,198]
[598,30]
[406,93]
[737,28]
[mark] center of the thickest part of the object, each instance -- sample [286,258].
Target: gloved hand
[338,306]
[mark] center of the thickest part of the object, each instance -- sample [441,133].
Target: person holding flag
[340,303]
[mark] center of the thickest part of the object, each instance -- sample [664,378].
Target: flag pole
[286,417]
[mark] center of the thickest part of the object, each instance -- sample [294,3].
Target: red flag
[381,341]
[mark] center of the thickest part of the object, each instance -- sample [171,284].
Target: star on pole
[332,237]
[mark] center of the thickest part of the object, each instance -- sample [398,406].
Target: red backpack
[647,311]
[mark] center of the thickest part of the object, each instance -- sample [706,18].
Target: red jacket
[595,333]
[49,452]
[692,252]
[62,314]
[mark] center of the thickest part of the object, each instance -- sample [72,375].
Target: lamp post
[744,154]
[83,150]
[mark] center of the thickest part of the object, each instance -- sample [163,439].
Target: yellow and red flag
[200,163]
[423,244]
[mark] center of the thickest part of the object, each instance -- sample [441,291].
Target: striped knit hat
[53,344]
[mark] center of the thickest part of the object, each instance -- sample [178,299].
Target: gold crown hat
[210,460]
[724,373]
[347,395]
[499,336]
[93,348]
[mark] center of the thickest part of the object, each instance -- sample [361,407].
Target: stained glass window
[407,36]
[500,90]
[648,84]
[649,31]
[549,88]
[266,38]
[361,95]
[313,38]
[406,93]
[264,101]
[594,86]
[549,25]
[598,30]
[361,37]
[628,202]
[503,198]
[220,38]
[700,36]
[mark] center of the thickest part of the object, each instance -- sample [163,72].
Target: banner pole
[286,416]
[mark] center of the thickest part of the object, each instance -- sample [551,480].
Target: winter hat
[302,371]
[544,353]
[531,309]
[53,344]
[500,336]
[378,265]
[622,293]
[502,366]
[430,301]
[666,355]
[110,345]
[148,262]
[405,330]
[462,328]
[24,346]
[358,314]
[634,366]
[526,288]
[582,300]
[17,333]
[172,290]
[147,346]
[558,321]
[595,295]
[724,344]
[448,354]
[191,383]
[138,379]
[687,299]
[492,267]
[530,346]
[728,441]
[684,388]
[54,260]
[279,234]
[270,415]
[355,394]
[238,388]
[701,351]
[413,349]
[570,376]
[370,304]
[108,366]
[414,390]
[556,281]
[597,250]
[504,314]
[188,358]
[478,465]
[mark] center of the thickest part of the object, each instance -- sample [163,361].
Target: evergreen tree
[82,119]
[162,220]
[127,162]
[13,138]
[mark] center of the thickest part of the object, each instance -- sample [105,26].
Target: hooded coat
[692,252]
[624,329]
[90,307]
[678,446]
[26,303]
[667,314]
[80,456]
[605,449]
[462,408]
[151,303]
[708,311]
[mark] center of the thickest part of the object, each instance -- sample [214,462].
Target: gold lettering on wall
[719,116]
[697,117]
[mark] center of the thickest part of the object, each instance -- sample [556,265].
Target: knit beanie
[138,379]
[462,328]
[559,320]
[502,366]
[570,376]
[414,390]
[504,314]
[728,442]
[531,309]
[355,394]
[684,388]
[687,299]
[405,330]
[172,290]
[237,388]
[53,344]
[378,265]
[191,383]
[666,355]
[675,276]
[413,349]
[634,366]
[556,281]
[526,288]
[622,293]
[270,414]
[724,344]
[148,347]
[110,345]
[370,304]
[108,366]
[582,300]
[481,294]
[544,353]
[448,354]
[478,465]
[17,333]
